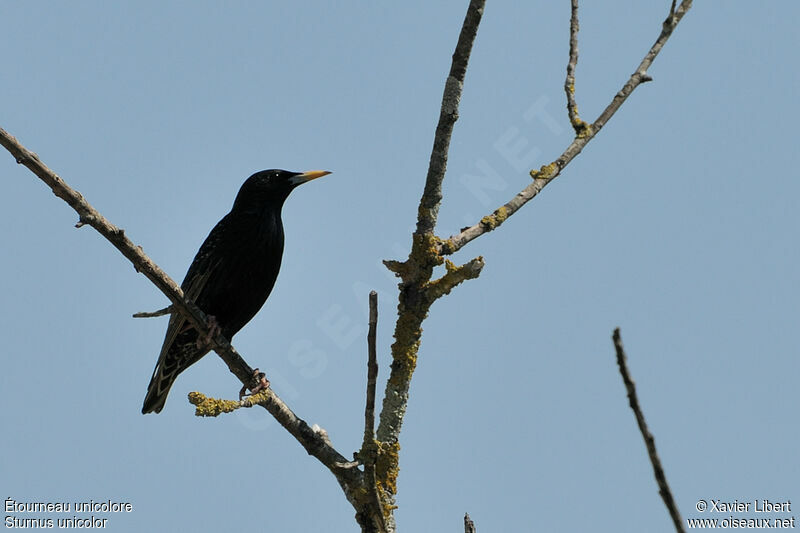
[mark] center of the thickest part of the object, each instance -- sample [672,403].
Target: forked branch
[547,173]
[417,293]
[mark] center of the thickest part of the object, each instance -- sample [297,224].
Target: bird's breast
[247,270]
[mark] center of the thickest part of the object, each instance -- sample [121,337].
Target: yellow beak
[308,176]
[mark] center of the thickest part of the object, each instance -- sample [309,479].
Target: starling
[231,275]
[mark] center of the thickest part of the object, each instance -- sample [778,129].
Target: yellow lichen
[582,129]
[425,250]
[455,275]
[205,406]
[387,469]
[257,398]
[496,218]
[404,350]
[545,172]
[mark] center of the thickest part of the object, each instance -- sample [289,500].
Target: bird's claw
[257,384]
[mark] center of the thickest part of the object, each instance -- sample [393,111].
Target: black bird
[231,275]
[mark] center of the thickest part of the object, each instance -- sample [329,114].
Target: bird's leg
[257,384]
[213,331]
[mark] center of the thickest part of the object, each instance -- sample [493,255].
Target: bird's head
[272,187]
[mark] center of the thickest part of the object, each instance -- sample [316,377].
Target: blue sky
[678,223]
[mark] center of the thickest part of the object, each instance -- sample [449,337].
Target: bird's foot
[257,384]
[213,331]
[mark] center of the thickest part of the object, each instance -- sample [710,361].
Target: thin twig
[548,173]
[569,84]
[649,440]
[153,314]
[316,442]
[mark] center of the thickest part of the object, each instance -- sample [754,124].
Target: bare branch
[569,84]
[649,440]
[548,173]
[432,196]
[316,443]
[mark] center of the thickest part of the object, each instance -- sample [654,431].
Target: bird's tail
[178,354]
[158,389]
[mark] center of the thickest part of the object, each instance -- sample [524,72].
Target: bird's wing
[180,350]
[178,322]
[203,266]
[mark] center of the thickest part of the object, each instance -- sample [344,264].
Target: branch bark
[649,440]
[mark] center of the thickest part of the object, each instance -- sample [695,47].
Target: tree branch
[315,441]
[547,173]
[649,440]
